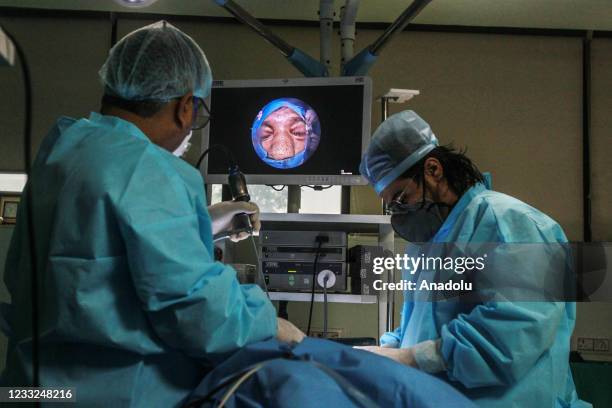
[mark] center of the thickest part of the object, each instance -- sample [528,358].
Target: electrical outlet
[584,344]
[601,345]
[593,345]
[331,333]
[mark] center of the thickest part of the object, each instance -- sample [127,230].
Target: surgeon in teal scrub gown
[500,354]
[133,308]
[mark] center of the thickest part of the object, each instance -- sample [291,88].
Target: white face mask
[184,146]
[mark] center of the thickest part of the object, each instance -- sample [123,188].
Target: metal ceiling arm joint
[363,61]
[348,16]
[306,64]
[326,19]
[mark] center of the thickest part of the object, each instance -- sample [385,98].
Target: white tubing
[326,18]
[348,16]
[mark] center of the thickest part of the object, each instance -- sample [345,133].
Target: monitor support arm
[326,24]
[348,17]
[362,62]
[299,59]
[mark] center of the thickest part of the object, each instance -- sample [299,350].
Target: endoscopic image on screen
[286,133]
[288,130]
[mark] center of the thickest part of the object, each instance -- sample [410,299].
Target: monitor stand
[294,199]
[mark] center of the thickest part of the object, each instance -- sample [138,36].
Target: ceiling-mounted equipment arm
[326,23]
[363,61]
[307,65]
[347,29]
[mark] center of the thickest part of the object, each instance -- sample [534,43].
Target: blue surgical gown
[134,309]
[499,354]
[319,373]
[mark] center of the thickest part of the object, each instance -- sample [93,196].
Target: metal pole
[384,109]
[586,136]
[348,15]
[294,196]
[386,299]
[326,17]
[398,25]
[243,16]
[384,105]
[113,21]
[307,65]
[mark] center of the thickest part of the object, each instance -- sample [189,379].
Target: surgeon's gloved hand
[221,215]
[401,355]
[288,333]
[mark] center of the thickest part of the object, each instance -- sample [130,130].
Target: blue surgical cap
[398,143]
[156,63]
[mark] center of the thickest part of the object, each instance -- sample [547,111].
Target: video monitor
[290,131]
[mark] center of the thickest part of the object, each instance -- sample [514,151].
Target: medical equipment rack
[351,224]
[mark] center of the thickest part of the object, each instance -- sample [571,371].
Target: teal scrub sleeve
[194,304]
[498,342]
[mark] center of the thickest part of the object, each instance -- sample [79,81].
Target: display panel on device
[290,131]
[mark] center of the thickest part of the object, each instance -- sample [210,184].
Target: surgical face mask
[416,222]
[184,146]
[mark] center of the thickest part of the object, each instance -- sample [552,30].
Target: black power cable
[260,274]
[316,188]
[282,309]
[231,160]
[312,292]
[325,280]
[275,188]
[27,154]
[282,187]
[320,239]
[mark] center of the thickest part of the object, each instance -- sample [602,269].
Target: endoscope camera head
[237,184]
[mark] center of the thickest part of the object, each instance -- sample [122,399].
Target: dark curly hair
[460,172]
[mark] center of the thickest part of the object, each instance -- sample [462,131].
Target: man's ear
[183,111]
[434,169]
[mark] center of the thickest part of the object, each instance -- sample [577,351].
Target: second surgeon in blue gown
[134,309]
[500,354]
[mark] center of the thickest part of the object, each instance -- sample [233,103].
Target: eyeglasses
[398,206]
[201,113]
[397,202]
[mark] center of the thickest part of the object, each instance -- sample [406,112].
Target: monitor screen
[290,131]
